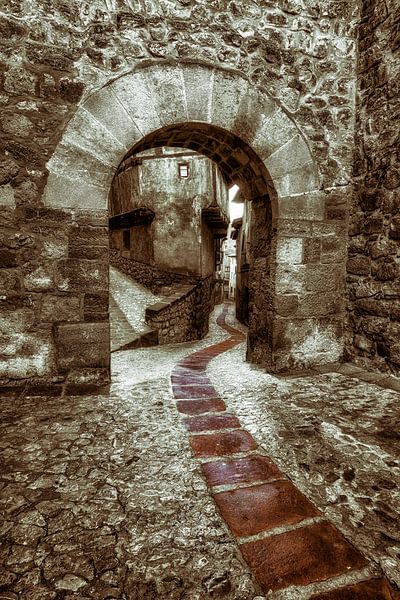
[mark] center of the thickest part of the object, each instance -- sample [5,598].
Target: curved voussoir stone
[78,165]
[138,100]
[293,155]
[253,110]
[166,85]
[299,181]
[199,82]
[87,133]
[276,129]
[105,106]
[63,192]
[229,91]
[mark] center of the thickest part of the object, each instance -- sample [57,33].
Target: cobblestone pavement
[103,499]
[128,302]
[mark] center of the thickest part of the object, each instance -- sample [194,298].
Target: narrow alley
[104,497]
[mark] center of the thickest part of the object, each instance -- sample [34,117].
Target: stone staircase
[128,303]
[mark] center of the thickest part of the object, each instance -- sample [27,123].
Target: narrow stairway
[128,302]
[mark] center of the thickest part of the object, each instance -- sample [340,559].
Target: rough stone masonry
[332,69]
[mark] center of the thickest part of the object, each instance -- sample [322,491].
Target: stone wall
[373,268]
[178,238]
[149,275]
[53,56]
[54,286]
[182,316]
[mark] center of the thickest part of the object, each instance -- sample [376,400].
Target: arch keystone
[137,100]
[229,91]
[166,84]
[199,82]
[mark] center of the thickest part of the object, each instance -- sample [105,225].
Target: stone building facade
[177,203]
[294,99]
[168,212]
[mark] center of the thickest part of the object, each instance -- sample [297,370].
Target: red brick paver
[211,422]
[198,407]
[300,557]
[242,470]
[259,508]
[220,444]
[194,391]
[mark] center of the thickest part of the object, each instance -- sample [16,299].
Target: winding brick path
[284,539]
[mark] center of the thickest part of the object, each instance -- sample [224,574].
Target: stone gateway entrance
[298,234]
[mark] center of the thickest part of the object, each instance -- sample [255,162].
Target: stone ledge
[383,380]
[155,309]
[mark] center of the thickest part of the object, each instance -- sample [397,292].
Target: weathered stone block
[64,192]
[381,247]
[60,308]
[301,343]
[96,307]
[8,258]
[88,243]
[55,246]
[373,224]
[171,105]
[299,181]
[19,81]
[82,275]
[275,130]
[333,250]
[7,196]
[394,353]
[8,170]
[311,250]
[394,231]
[24,353]
[289,251]
[336,207]
[387,270]
[294,227]
[9,280]
[291,156]
[78,164]
[374,325]
[198,89]
[320,305]
[133,94]
[309,207]
[290,279]
[39,278]
[365,290]
[83,345]
[359,265]
[117,121]
[372,306]
[365,344]
[324,278]
[286,304]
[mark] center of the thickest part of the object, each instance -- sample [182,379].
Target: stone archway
[294,323]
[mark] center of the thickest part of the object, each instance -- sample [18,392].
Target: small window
[183,170]
[127,239]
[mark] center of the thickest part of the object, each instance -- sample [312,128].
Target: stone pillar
[308,280]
